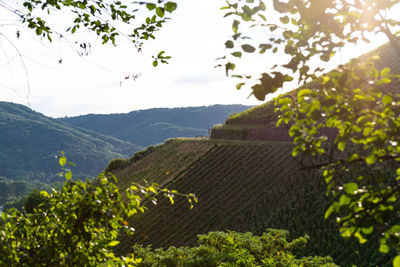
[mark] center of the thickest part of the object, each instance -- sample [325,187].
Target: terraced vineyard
[259,123]
[241,186]
[259,115]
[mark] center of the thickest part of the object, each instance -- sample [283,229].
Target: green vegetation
[12,190]
[259,115]
[360,165]
[29,141]
[233,249]
[27,203]
[241,186]
[107,20]
[153,126]
[79,222]
[76,224]
[359,101]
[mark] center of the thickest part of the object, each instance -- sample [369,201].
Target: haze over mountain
[152,126]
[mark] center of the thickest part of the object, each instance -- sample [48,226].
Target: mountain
[30,141]
[152,126]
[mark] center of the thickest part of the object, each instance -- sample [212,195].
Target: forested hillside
[153,126]
[29,143]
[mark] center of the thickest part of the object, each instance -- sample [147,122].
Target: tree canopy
[109,20]
[359,100]
[78,223]
[234,249]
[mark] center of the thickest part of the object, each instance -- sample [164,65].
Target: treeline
[13,190]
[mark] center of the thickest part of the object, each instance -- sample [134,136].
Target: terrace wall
[277,134]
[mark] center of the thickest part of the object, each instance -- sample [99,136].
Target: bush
[233,249]
[116,164]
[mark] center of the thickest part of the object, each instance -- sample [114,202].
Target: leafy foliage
[367,123]
[106,19]
[305,31]
[359,100]
[76,224]
[233,249]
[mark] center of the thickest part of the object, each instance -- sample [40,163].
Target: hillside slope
[29,142]
[153,126]
[241,186]
[259,123]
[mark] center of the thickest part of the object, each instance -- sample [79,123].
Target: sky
[31,73]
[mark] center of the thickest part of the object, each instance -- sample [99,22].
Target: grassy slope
[264,114]
[31,141]
[242,186]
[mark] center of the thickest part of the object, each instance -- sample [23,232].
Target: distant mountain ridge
[152,126]
[29,142]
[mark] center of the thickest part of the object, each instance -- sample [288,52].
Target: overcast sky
[96,83]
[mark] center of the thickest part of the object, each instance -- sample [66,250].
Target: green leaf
[367,230]
[150,6]
[395,228]
[248,48]
[62,161]
[341,146]
[113,243]
[239,86]
[350,188]
[288,78]
[237,54]
[45,194]
[345,200]
[262,17]
[170,6]
[384,248]
[329,211]
[385,72]
[229,44]
[304,92]
[235,26]
[229,66]
[160,12]
[155,63]
[284,20]
[160,54]
[387,99]
[361,239]
[371,159]
[383,81]
[396,261]
[68,175]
